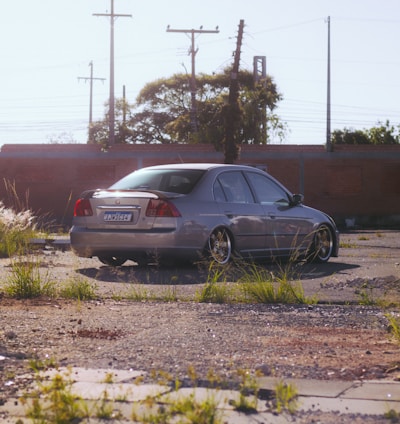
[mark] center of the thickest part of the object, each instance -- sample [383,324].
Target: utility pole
[124,104]
[90,79]
[192,52]
[111,121]
[328,97]
[233,110]
[260,77]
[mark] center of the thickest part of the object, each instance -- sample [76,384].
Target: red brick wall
[352,181]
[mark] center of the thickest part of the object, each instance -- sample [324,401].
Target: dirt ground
[147,319]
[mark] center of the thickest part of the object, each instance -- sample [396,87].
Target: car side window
[219,195]
[234,187]
[267,191]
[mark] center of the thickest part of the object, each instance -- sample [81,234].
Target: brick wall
[361,182]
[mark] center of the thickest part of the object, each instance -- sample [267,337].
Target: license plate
[118,216]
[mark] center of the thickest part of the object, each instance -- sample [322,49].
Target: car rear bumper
[89,243]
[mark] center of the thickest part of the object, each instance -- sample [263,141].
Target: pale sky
[47,44]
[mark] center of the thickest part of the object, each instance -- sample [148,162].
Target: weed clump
[394,326]
[248,393]
[78,289]
[261,286]
[216,289]
[54,402]
[26,281]
[285,398]
[16,229]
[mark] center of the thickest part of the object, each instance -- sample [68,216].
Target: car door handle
[229,214]
[272,215]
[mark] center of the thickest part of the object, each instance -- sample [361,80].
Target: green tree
[381,134]
[161,113]
[349,136]
[99,130]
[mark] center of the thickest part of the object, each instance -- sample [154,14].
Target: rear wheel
[220,246]
[322,247]
[112,260]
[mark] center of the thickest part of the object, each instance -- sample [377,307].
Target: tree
[349,136]
[161,113]
[382,134]
[99,130]
[61,138]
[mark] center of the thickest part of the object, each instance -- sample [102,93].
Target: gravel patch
[337,339]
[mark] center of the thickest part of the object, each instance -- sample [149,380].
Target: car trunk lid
[130,209]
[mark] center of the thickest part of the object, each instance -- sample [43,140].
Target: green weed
[79,289]
[285,398]
[54,402]
[180,409]
[138,293]
[37,364]
[394,326]
[26,281]
[169,294]
[105,409]
[196,412]
[248,392]
[109,378]
[392,415]
[261,286]
[366,294]
[216,289]
[347,245]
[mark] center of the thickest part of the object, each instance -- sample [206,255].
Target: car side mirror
[297,199]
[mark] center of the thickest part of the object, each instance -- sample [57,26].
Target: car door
[287,224]
[247,219]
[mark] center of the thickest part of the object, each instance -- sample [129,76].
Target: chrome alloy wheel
[220,246]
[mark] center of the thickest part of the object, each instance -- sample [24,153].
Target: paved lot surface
[336,389]
[317,402]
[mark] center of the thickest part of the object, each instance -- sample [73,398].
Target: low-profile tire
[112,260]
[220,246]
[323,245]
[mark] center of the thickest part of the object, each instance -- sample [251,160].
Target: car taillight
[161,208]
[83,208]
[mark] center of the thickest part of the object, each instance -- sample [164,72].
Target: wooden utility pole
[91,79]
[111,119]
[193,51]
[232,117]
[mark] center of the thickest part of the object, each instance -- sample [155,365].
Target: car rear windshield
[179,181]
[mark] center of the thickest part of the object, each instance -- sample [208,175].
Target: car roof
[199,166]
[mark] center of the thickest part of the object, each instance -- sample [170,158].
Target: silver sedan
[199,211]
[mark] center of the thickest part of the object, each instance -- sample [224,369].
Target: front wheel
[220,246]
[112,260]
[322,246]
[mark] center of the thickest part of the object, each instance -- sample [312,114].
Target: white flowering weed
[15,229]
